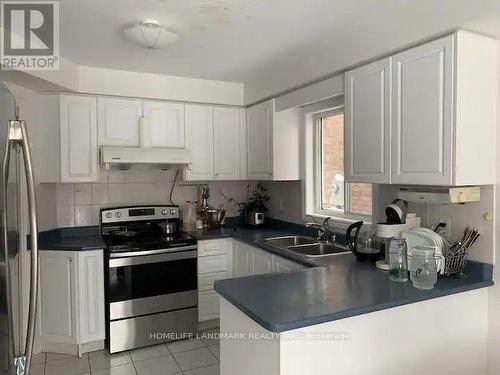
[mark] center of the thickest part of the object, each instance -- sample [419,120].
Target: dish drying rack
[456,257]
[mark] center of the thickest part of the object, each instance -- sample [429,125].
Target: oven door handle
[155,257]
[137,253]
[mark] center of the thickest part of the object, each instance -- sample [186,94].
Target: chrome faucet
[324,232]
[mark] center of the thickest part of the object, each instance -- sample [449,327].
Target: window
[333,196]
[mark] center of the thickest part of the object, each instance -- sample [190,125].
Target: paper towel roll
[144,132]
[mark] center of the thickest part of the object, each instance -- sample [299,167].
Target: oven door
[151,283]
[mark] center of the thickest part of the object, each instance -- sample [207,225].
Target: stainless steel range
[151,286]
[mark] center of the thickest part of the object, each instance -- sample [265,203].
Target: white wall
[79,204]
[101,81]
[285,201]
[494,291]
[90,80]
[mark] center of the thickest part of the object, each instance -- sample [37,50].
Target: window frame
[346,214]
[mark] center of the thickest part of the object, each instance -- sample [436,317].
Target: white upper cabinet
[272,143]
[368,123]
[214,137]
[167,123]
[226,143]
[422,114]
[199,139]
[442,96]
[259,141]
[78,136]
[118,121]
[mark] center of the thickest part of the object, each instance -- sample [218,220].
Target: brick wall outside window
[333,164]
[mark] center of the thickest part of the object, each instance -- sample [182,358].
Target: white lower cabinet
[281,264]
[250,260]
[225,258]
[213,264]
[71,301]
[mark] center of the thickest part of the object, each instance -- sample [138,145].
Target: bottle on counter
[423,268]
[398,260]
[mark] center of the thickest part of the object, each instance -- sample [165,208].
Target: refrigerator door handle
[17,133]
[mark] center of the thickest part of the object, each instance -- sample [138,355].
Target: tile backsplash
[79,204]
[459,216]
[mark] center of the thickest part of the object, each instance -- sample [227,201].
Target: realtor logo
[30,35]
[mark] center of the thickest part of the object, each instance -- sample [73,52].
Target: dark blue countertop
[342,288]
[255,236]
[71,239]
[330,288]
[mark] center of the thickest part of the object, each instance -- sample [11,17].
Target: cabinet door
[200,141]
[226,143]
[57,303]
[118,121]
[368,122]
[259,141]
[262,262]
[243,144]
[422,118]
[167,123]
[281,264]
[208,305]
[78,132]
[91,296]
[241,260]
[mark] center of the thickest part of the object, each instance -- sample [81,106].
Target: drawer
[208,305]
[213,247]
[206,281]
[216,263]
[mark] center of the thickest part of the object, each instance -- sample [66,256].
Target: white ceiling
[270,45]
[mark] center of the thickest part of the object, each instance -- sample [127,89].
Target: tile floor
[188,357]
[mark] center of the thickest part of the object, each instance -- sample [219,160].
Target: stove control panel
[138,213]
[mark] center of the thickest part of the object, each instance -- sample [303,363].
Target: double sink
[306,247]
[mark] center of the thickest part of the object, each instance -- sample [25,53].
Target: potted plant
[253,210]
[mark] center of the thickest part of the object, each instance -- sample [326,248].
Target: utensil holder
[455,264]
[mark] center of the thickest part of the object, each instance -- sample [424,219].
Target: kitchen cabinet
[227,143]
[442,97]
[214,260]
[250,260]
[273,142]
[118,121]
[71,302]
[78,138]
[368,123]
[214,138]
[167,123]
[259,141]
[199,139]
[90,295]
[221,259]
[422,120]
[281,264]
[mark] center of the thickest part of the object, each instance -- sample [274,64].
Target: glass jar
[423,268]
[398,260]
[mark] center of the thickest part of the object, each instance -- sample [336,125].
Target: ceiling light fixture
[152,34]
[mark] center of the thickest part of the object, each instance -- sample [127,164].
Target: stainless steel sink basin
[287,241]
[305,246]
[318,249]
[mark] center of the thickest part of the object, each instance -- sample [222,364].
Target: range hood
[111,155]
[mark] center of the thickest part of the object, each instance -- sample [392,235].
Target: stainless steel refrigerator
[18,258]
